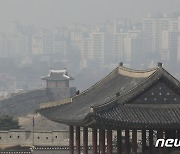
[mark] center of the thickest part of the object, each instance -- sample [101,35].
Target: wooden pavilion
[127,101]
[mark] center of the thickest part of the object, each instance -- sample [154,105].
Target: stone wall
[41,138]
[49,138]
[27,102]
[60,93]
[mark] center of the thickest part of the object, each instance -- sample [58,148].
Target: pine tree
[8,122]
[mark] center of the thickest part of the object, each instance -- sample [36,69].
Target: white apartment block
[169,45]
[118,46]
[178,50]
[97,47]
[47,42]
[130,46]
[13,45]
[37,44]
[179,24]
[154,27]
[60,48]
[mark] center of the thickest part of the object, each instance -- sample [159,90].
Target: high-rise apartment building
[3,46]
[178,50]
[118,47]
[59,48]
[85,52]
[179,24]
[169,46]
[97,47]
[154,26]
[13,45]
[136,47]
[47,42]
[37,44]
[85,48]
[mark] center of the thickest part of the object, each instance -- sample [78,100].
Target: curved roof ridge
[138,71]
[175,81]
[157,74]
[116,69]
[97,83]
[111,103]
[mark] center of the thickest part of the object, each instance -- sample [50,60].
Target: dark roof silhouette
[139,103]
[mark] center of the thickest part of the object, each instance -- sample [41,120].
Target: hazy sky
[50,13]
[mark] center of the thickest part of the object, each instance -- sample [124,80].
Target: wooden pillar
[71,139]
[119,142]
[109,141]
[85,140]
[178,134]
[143,132]
[173,132]
[150,141]
[94,141]
[134,141]
[167,135]
[159,136]
[101,141]
[127,144]
[172,135]
[78,140]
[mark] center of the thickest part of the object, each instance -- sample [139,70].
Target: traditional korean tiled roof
[113,102]
[156,117]
[57,75]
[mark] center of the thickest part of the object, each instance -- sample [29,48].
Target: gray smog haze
[50,13]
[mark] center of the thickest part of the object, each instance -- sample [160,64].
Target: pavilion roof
[111,102]
[57,75]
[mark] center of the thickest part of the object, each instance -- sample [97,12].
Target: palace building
[126,102]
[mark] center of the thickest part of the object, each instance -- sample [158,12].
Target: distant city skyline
[155,38]
[40,34]
[49,14]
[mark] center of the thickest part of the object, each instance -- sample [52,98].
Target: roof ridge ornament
[121,64]
[160,64]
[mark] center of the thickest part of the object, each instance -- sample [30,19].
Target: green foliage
[7,123]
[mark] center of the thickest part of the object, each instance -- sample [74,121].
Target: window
[0,138]
[10,136]
[38,137]
[168,94]
[18,137]
[56,136]
[145,99]
[152,93]
[160,93]
[46,138]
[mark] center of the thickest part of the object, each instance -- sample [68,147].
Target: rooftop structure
[57,75]
[57,78]
[57,84]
